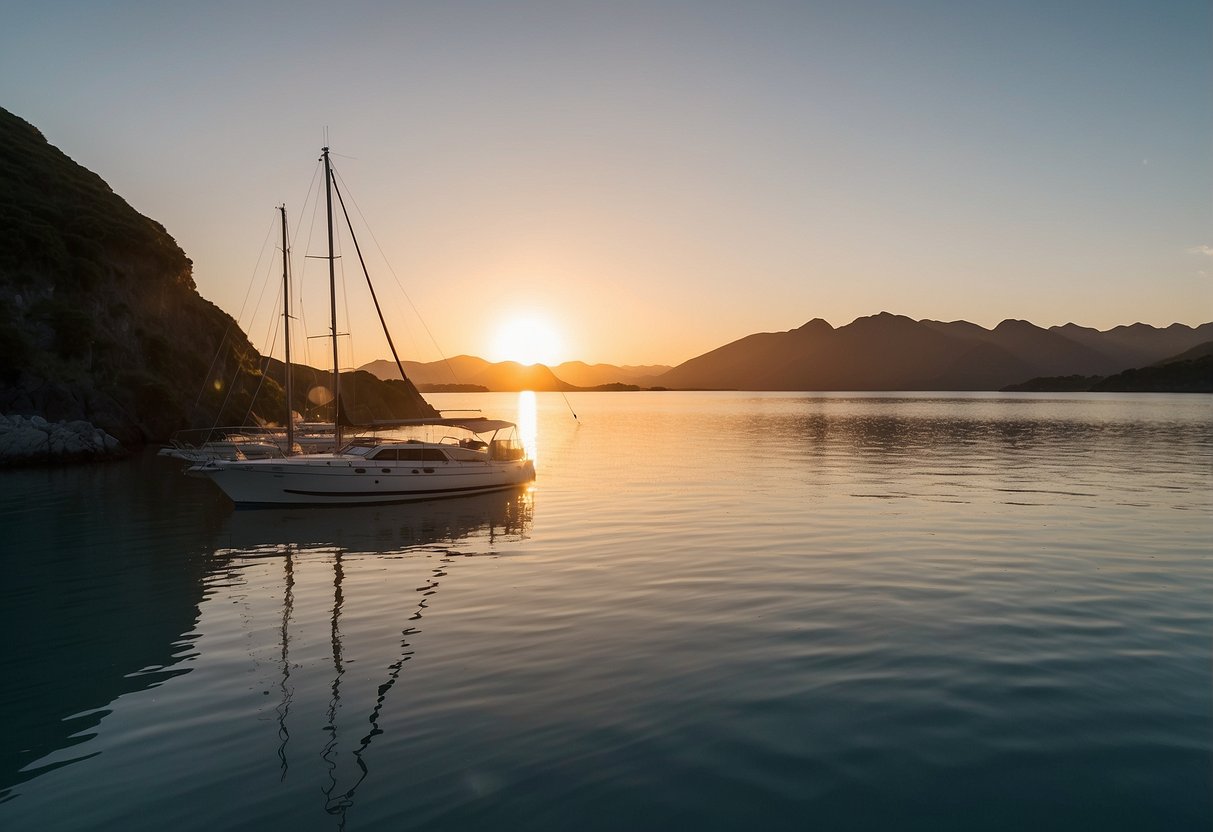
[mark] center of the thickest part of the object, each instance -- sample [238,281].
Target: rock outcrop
[35,440]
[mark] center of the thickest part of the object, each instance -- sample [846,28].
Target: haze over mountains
[878,352]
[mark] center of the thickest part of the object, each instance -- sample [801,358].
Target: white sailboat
[486,455]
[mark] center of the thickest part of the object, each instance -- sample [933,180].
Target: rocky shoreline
[32,440]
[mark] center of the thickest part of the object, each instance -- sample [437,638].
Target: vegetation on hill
[1189,372]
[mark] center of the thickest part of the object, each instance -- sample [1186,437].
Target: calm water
[714,611]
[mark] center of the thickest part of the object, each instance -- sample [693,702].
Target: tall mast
[328,197]
[286,332]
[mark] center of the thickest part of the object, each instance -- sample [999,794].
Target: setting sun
[527,339]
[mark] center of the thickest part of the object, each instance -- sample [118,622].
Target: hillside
[1189,372]
[894,352]
[596,375]
[101,325]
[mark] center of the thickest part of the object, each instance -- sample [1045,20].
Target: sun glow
[527,339]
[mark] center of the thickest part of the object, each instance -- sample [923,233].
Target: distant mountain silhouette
[894,352]
[595,375]
[1137,344]
[511,376]
[1189,372]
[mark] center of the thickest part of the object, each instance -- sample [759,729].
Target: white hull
[343,480]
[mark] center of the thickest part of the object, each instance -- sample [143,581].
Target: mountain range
[467,371]
[877,352]
[1189,372]
[894,352]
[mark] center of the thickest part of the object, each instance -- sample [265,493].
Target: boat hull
[340,482]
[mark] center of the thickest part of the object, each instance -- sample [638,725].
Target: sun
[527,339]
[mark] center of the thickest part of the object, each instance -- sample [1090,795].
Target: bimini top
[475,424]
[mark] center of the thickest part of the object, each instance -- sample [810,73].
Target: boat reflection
[338,553]
[381,529]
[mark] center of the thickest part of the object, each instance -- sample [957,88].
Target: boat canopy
[475,424]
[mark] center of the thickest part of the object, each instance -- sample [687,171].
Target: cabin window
[410,455]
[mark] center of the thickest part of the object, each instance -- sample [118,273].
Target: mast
[286,332]
[328,197]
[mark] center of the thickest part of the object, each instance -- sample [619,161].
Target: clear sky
[644,181]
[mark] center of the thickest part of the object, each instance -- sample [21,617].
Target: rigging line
[269,277]
[307,197]
[231,388]
[295,239]
[400,285]
[268,344]
[233,321]
[369,285]
[257,268]
[271,333]
[311,230]
[345,298]
[349,331]
[265,366]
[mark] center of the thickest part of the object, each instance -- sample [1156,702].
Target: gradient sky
[655,179]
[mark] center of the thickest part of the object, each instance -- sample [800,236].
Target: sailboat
[472,455]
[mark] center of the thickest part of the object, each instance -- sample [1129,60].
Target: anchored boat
[420,459]
[375,469]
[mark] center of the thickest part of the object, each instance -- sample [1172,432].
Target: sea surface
[713,611]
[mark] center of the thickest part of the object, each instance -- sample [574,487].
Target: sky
[641,182]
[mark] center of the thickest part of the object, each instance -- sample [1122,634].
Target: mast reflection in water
[346,551]
[302,621]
